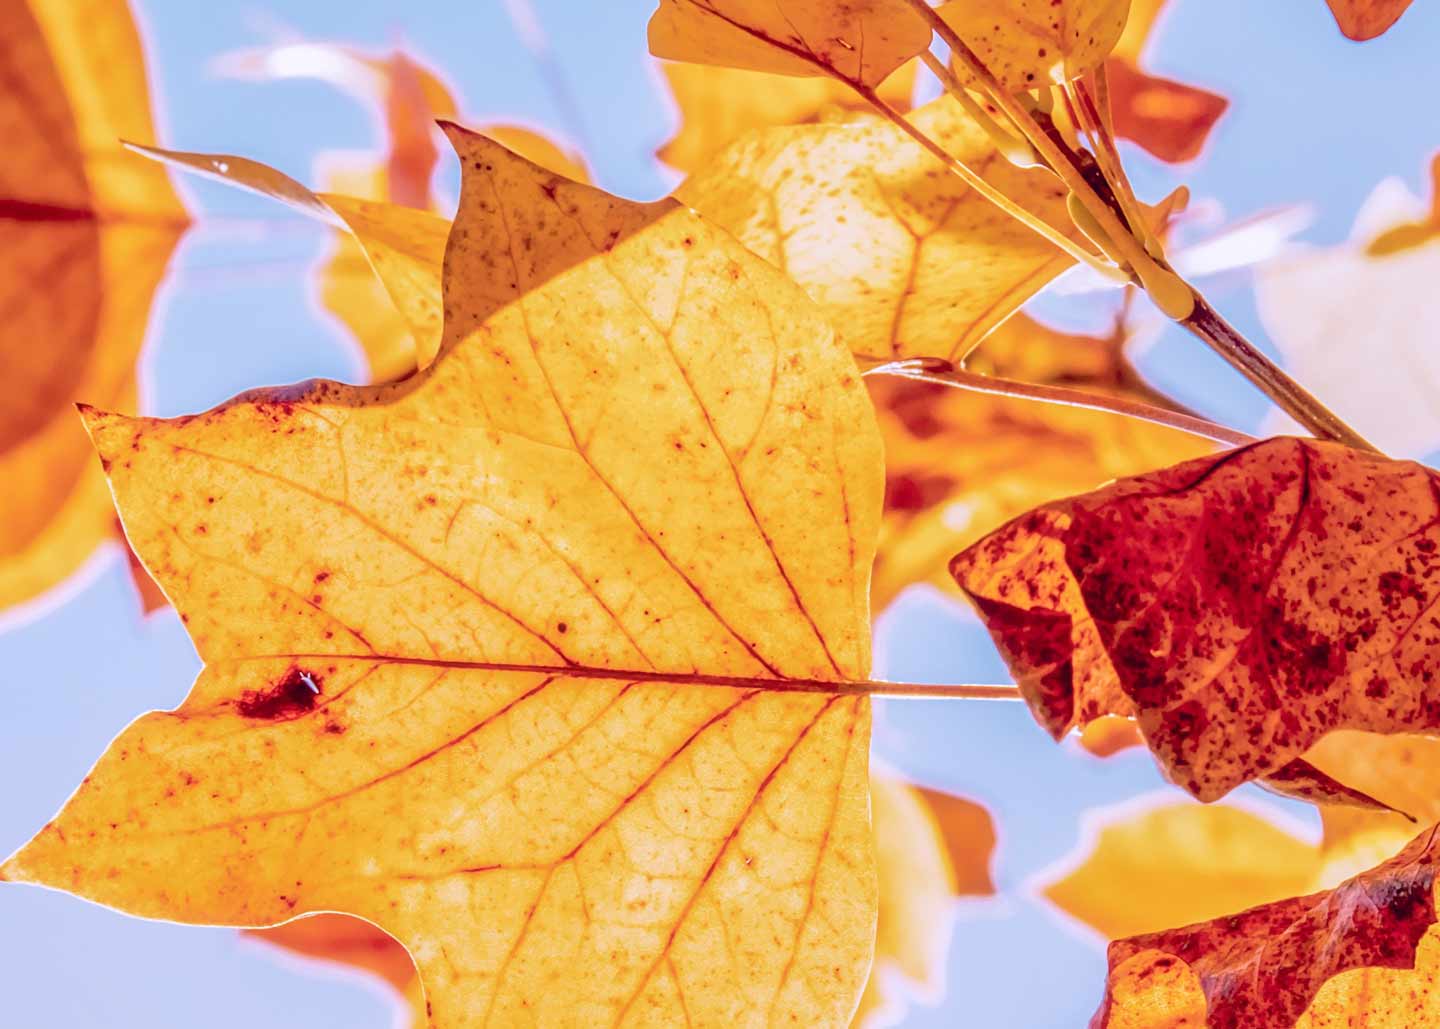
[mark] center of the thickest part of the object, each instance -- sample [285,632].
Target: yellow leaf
[917,887]
[719,105]
[1032,43]
[860,41]
[1179,864]
[491,653]
[905,258]
[96,227]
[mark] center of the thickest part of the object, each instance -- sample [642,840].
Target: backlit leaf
[860,41]
[88,231]
[1030,43]
[905,258]
[719,105]
[1244,605]
[1366,19]
[491,653]
[1262,968]
[404,245]
[915,877]
[1170,119]
[405,98]
[1178,864]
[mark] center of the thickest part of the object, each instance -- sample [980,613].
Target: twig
[1291,397]
[945,374]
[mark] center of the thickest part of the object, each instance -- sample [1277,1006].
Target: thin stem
[975,182]
[945,374]
[1110,165]
[1127,249]
[1291,397]
[1015,149]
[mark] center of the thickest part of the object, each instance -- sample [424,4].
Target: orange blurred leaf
[490,666]
[1242,606]
[1178,864]
[858,41]
[1169,119]
[1366,19]
[88,232]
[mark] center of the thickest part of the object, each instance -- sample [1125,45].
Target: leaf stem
[1127,248]
[1171,293]
[843,687]
[945,374]
[1291,397]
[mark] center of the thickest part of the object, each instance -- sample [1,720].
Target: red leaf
[1262,967]
[1242,605]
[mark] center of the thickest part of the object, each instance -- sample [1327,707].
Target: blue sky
[1315,119]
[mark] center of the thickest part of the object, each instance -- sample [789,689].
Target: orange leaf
[496,656]
[905,258]
[1110,734]
[96,227]
[1365,19]
[858,41]
[719,105]
[1243,606]
[345,940]
[1178,864]
[1030,43]
[1169,119]
[1262,968]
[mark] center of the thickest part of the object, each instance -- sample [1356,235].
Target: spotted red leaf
[1241,606]
[1262,968]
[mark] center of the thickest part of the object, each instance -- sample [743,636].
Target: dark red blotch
[294,695]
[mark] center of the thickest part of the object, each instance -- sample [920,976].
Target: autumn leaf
[856,41]
[905,258]
[1365,19]
[1198,864]
[97,228]
[1030,43]
[496,657]
[930,847]
[344,940]
[1171,120]
[1177,864]
[1316,304]
[1410,235]
[1244,605]
[393,315]
[959,465]
[1109,734]
[719,105]
[918,875]
[1264,967]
